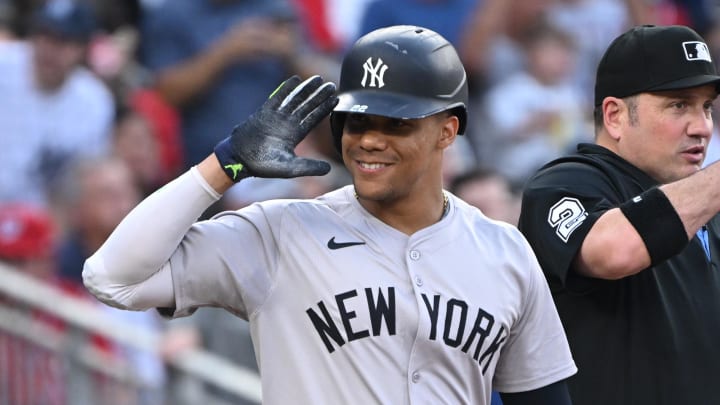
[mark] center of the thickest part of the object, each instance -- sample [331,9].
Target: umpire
[626,229]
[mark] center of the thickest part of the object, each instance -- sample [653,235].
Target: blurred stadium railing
[41,364]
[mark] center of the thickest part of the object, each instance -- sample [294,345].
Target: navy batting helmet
[401,72]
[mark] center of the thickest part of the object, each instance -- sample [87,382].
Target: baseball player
[614,227]
[387,291]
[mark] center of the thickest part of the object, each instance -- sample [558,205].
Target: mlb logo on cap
[696,50]
[648,58]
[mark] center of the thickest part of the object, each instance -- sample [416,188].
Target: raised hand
[264,145]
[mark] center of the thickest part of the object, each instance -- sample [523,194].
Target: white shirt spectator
[40,130]
[512,103]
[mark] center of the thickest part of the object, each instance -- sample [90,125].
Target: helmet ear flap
[337,123]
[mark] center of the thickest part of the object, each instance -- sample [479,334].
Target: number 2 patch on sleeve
[565,216]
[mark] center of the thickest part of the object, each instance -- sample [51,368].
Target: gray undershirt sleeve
[131,269]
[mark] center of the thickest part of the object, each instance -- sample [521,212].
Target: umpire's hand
[264,145]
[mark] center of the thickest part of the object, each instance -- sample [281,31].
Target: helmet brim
[390,105]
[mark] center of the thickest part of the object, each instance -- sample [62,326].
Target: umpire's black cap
[651,58]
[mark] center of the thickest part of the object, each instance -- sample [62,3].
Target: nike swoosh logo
[332,245]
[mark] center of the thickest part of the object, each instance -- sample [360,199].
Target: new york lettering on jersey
[458,318]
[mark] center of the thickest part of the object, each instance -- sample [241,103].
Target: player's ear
[614,113]
[450,125]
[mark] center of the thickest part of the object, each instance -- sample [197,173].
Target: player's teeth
[372,165]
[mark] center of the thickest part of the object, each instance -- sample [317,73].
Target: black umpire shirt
[651,338]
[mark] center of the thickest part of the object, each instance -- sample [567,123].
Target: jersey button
[418,281]
[415,255]
[415,377]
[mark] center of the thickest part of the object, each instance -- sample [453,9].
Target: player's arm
[131,269]
[553,394]
[630,238]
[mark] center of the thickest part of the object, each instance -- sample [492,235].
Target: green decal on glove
[235,168]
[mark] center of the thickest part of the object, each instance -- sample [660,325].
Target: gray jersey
[344,309]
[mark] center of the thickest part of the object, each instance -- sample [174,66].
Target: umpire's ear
[616,115]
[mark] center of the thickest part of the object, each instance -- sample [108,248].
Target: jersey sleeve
[559,207]
[227,261]
[537,353]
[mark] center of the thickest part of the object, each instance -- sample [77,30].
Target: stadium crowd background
[100,106]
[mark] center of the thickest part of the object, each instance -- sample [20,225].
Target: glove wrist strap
[235,170]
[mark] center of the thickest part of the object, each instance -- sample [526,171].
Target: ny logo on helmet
[376,72]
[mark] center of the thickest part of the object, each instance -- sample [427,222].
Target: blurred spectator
[446,17]
[135,143]
[113,54]
[701,15]
[319,33]
[592,24]
[21,15]
[713,147]
[148,148]
[27,238]
[491,42]
[343,20]
[7,18]
[490,48]
[29,373]
[164,122]
[459,158]
[113,57]
[490,192]
[536,114]
[54,109]
[216,60]
[713,150]
[116,15]
[92,197]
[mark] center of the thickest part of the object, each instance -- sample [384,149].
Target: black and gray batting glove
[264,145]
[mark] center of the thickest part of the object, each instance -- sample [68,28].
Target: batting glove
[264,145]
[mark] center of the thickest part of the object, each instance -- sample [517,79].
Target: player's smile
[371,167]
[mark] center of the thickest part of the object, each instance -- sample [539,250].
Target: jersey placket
[417,370]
